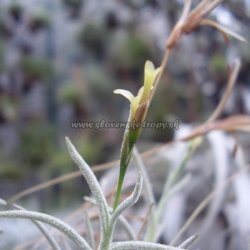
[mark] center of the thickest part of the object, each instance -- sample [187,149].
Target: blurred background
[61,60]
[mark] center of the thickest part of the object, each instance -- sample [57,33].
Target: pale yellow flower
[150,74]
[134,100]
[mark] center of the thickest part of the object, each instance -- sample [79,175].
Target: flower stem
[119,187]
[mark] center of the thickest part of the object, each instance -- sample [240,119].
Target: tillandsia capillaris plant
[138,110]
[108,218]
[188,22]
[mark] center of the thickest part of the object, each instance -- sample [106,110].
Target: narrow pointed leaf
[52,221]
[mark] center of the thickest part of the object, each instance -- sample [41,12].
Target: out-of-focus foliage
[39,21]
[35,68]
[69,94]
[92,37]
[61,60]
[108,47]
[16,11]
[36,144]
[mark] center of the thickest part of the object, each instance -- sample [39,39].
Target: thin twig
[227,93]
[59,180]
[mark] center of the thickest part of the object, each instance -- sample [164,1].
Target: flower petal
[125,93]
[150,74]
[134,100]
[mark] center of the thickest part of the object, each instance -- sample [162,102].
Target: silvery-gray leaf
[218,141]
[242,187]
[174,216]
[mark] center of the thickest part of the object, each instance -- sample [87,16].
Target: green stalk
[123,168]
[126,153]
[119,188]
